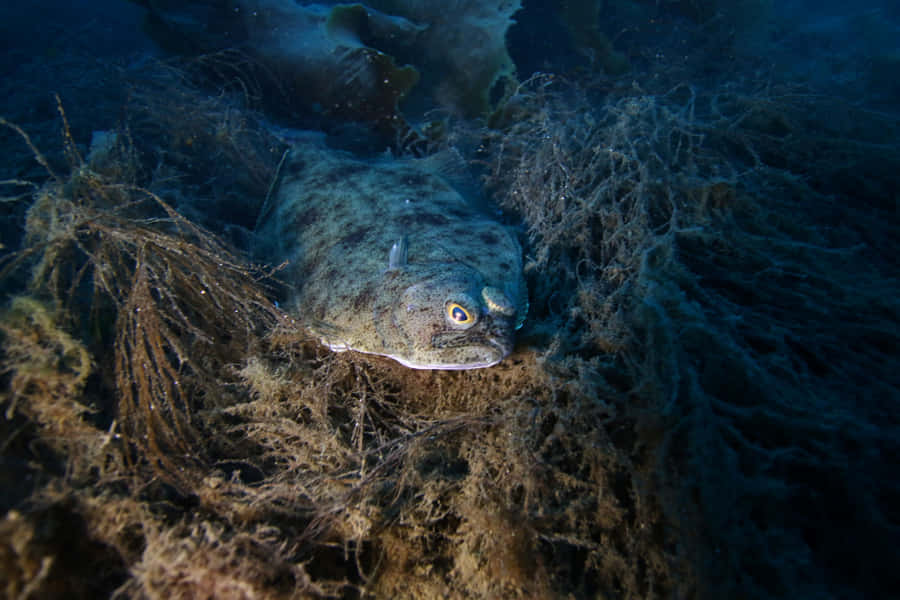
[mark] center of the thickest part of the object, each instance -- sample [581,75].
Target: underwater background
[704,400]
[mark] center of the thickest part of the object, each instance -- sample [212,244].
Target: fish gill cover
[702,402]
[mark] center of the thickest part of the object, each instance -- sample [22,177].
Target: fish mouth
[483,351]
[495,351]
[447,340]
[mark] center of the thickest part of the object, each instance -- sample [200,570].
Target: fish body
[386,257]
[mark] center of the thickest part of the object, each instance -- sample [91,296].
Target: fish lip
[444,366]
[496,351]
[495,345]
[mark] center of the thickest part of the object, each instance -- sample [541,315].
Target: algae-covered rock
[582,19]
[321,53]
[311,57]
[462,55]
[356,60]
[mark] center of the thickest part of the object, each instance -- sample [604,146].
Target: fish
[385,256]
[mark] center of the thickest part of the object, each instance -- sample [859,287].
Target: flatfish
[386,257]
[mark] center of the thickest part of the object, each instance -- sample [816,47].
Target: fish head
[443,316]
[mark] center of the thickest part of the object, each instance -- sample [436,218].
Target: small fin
[451,166]
[399,254]
[329,334]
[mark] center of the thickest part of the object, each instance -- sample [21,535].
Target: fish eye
[458,314]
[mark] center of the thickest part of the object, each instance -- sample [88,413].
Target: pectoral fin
[399,254]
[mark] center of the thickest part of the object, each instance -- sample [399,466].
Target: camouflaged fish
[385,257]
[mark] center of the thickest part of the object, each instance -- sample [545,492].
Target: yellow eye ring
[457,314]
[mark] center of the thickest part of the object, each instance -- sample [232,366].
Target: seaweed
[702,237]
[688,375]
[114,249]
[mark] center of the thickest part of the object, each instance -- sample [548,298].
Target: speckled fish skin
[456,294]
